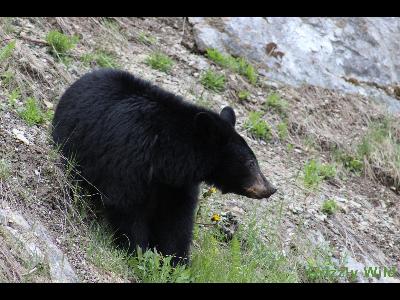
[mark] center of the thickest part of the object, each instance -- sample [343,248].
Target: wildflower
[211,191]
[215,218]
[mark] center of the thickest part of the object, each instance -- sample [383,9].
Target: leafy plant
[4,169]
[32,114]
[7,51]
[283,130]
[12,98]
[60,44]
[315,172]
[159,61]
[257,126]
[146,38]
[100,58]
[238,65]
[213,81]
[329,207]
[275,102]
[243,95]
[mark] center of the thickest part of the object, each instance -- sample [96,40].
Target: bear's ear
[205,125]
[228,114]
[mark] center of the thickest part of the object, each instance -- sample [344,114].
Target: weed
[60,44]
[160,61]
[380,151]
[283,130]
[152,267]
[146,38]
[329,207]
[7,78]
[102,252]
[314,172]
[238,65]
[7,51]
[32,114]
[202,101]
[290,147]
[213,81]
[327,171]
[243,95]
[275,102]
[111,24]
[257,126]
[321,269]
[12,98]
[6,25]
[100,58]
[4,169]
[350,162]
[247,70]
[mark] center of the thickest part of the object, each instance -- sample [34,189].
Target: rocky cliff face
[354,55]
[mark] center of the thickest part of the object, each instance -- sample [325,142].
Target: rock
[19,135]
[48,104]
[37,244]
[228,225]
[353,55]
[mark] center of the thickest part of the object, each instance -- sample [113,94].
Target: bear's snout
[261,188]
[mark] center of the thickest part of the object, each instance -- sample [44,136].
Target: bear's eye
[251,164]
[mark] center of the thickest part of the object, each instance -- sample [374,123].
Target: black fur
[147,150]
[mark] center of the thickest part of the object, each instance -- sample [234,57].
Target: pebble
[19,135]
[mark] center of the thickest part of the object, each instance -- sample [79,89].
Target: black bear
[147,151]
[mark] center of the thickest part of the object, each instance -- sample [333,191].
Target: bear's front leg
[130,228]
[172,225]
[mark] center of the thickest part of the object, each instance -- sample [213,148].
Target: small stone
[19,135]
[48,104]
[298,150]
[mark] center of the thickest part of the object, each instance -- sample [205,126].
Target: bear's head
[236,169]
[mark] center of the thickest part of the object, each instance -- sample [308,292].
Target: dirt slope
[366,229]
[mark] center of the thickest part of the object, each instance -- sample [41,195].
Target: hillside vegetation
[335,159]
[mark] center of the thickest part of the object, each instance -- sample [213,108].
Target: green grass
[101,251]
[315,172]
[61,44]
[4,169]
[276,103]
[32,114]
[352,163]
[13,96]
[7,77]
[243,95]
[202,101]
[283,132]
[317,268]
[146,39]
[329,207]
[7,51]
[243,259]
[101,58]
[111,24]
[6,25]
[238,65]
[213,81]
[380,150]
[159,61]
[247,70]
[257,127]
[214,259]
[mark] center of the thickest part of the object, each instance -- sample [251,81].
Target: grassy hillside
[335,159]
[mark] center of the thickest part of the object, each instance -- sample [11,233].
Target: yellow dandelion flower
[210,191]
[215,218]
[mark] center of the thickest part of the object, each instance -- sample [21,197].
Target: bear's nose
[272,191]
